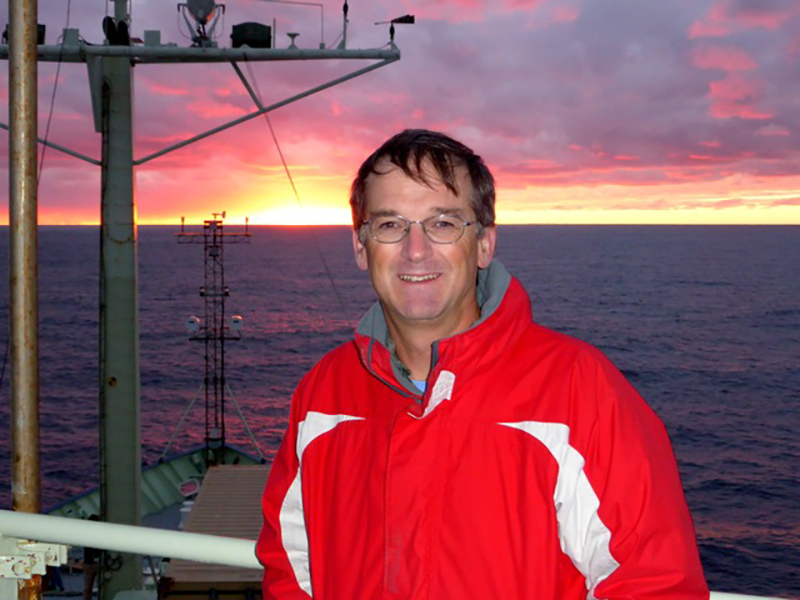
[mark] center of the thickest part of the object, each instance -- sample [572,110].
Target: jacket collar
[504,307]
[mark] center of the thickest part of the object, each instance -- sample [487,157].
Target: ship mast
[23,284]
[110,69]
[214,329]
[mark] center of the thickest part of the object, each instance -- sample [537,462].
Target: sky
[586,111]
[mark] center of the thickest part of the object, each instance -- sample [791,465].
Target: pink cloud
[158,87]
[455,11]
[213,110]
[730,203]
[736,96]
[715,24]
[564,14]
[751,14]
[773,130]
[726,58]
[786,202]
[730,16]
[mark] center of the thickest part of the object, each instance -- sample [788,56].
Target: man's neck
[413,345]
[415,354]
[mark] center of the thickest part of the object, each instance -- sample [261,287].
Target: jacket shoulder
[549,341]
[342,359]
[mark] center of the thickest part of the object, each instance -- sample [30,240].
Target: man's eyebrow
[383,213]
[440,210]
[435,211]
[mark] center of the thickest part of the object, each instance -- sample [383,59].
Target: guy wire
[294,189]
[53,97]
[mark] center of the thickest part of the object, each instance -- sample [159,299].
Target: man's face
[423,285]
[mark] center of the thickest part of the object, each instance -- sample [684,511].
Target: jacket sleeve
[282,546]
[631,466]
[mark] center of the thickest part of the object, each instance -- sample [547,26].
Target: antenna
[404,20]
[321,18]
[213,329]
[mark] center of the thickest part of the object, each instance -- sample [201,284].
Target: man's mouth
[418,278]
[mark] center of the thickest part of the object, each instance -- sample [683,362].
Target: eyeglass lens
[442,229]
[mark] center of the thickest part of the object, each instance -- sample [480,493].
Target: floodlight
[202,11]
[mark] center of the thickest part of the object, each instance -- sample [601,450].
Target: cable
[53,97]
[294,189]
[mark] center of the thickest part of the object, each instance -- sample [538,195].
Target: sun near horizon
[607,205]
[322,198]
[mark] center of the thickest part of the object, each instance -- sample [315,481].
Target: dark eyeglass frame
[365,226]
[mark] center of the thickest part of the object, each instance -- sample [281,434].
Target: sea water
[704,322]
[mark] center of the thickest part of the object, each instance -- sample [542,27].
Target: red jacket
[529,469]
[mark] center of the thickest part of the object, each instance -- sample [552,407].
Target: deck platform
[228,504]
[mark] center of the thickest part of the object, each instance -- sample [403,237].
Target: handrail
[128,538]
[727,596]
[159,542]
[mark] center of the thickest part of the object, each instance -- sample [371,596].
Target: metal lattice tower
[214,329]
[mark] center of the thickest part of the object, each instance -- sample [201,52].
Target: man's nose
[416,244]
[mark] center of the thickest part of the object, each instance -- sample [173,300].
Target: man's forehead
[425,175]
[457,211]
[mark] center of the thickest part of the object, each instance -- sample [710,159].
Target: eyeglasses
[441,229]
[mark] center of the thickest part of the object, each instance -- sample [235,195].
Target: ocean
[703,320]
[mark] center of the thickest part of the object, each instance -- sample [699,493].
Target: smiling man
[455,449]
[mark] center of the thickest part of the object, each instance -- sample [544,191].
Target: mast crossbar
[78,53]
[264,110]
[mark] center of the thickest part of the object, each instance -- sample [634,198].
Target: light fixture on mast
[205,14]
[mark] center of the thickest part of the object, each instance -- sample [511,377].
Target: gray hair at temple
[414,150]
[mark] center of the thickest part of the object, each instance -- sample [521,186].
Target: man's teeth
[418,278]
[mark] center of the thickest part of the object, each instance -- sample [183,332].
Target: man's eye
[444,224]
[388,224]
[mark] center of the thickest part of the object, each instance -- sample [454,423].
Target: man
[456,449]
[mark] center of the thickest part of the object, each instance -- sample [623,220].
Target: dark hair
[412,150]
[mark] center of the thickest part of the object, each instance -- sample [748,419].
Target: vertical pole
[23,284]
[345,8]
[120,454]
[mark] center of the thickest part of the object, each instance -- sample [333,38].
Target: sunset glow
[587,112]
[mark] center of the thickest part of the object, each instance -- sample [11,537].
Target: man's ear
[360,251]
[486,244]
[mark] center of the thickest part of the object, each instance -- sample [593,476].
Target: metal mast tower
[214,330]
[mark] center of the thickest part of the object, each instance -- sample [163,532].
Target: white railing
[725,596]
[127,538]
[157,542]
